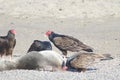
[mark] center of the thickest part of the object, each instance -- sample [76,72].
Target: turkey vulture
[38,45]
[7,43]
[81,61]
[67,43]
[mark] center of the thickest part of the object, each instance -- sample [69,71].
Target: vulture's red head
[12,31]
[48,33]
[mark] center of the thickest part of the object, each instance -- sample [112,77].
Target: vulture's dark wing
[3,41]
[85,59]
[67,43]
[3,44]
[35,46]
[3,37]
[82,60]
[32,47]
[14,43]
[46,45]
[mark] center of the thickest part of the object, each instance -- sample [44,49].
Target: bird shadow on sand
[88,69]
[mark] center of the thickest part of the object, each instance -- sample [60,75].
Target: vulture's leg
[10,57]
[10,53]
[1,56]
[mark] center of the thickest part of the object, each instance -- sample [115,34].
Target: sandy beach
[100,32]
